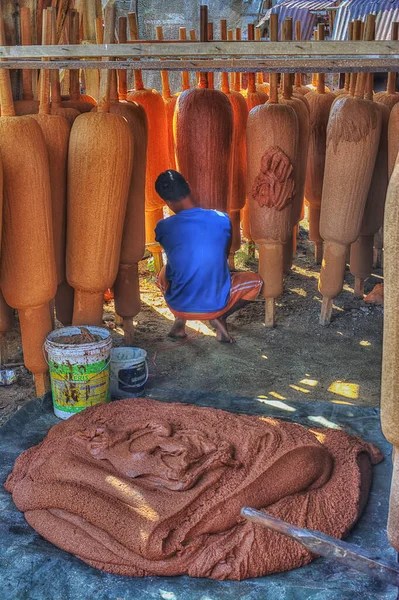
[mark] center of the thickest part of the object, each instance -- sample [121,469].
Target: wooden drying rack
[303,57]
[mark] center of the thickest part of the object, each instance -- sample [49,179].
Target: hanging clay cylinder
[55,130]
[393,139]
[203,131]
[320,103]
[362,255]
[28,105]
[99,173]
[126,287]
[272,152]
[390,356]
[170,103]
[301,108]
[158,153]
[69,114]
[238,182]
[82,103]
[253,98]
[6,325]
[299,88]
[353,136]
[28,276]
[390,97]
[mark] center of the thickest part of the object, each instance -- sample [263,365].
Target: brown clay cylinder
[320,103]
[28,274]
[203,132]
[393,139]
[77,100]
[390,367]
[56,132]
[361,257]
[170,103]
[99,172]
[158,150]
[237,195]
[28,105]
[353,136]
[272,142]
[390,97]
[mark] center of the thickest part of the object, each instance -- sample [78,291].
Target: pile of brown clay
[139,488]
[84,337]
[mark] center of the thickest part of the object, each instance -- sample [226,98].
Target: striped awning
[299,11]
[386,12]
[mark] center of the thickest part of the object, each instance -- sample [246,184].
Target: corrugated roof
[299,11]
[386,12]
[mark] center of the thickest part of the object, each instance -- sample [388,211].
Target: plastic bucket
[129,372]
[79,373]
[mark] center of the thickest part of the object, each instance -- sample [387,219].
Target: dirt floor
[298,360]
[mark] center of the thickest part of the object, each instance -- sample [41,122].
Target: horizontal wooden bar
[316,64]
[151,49]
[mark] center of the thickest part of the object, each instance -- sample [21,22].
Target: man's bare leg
[222,335]
[178,329]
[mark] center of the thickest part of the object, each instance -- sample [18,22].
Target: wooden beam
[315,64]
[172,48]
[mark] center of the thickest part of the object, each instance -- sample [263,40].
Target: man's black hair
[171,186]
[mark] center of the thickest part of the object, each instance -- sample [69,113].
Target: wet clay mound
[140,487]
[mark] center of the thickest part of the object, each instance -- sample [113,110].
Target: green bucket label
[75,387]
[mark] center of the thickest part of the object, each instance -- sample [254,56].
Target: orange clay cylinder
[361,256]
[237,194]
[126,287]
[28,274]
[203,132]
[390,366]
[272,152]
[99,172]
[56,132]
[158,159]
[170,103]
[82,103]
[353,136]
[28,105]
[320,103]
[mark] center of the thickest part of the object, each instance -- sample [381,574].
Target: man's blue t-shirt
[196,243]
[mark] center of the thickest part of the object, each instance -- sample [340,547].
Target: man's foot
[178,330]
[222,335]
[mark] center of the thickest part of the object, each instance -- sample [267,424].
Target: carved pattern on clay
[274,186]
